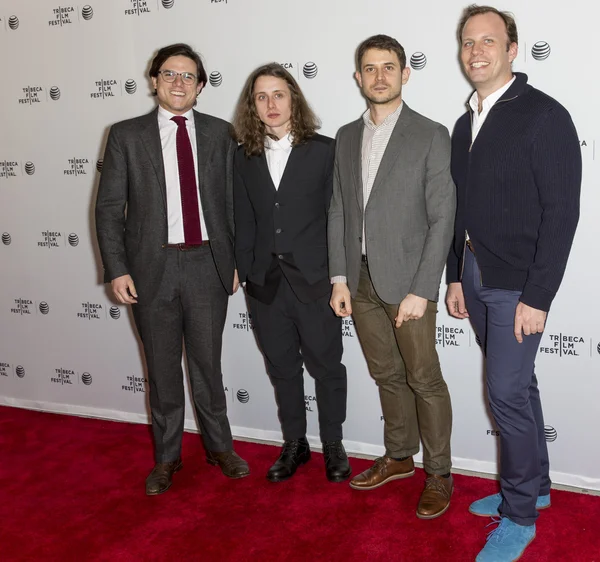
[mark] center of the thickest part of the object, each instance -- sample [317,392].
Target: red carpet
[72,489]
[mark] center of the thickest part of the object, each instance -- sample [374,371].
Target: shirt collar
[390,120]
[164,115]
[284,143]
[488,102]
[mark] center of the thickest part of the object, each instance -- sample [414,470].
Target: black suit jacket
[287,227]
[131,207]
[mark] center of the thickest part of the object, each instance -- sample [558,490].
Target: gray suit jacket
[409,217]
[131,208]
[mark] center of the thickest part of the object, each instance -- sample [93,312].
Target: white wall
[235,36]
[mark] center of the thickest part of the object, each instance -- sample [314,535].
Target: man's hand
[124,289]
[455,301]
[236,281]
[528,321]
[340,300]
[411,308]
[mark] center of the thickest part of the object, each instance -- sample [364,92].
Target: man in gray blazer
[390,227]
[164,220]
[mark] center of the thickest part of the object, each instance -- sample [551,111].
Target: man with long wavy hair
[282,188]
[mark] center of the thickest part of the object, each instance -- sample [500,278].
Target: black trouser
[291,332]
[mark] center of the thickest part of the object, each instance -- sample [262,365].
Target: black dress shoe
[161,477]
[293,454]
[337,467]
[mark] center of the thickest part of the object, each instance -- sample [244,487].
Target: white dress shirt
[277,154]
[168,134]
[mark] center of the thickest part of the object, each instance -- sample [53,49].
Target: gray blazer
[409,217]
[131,208]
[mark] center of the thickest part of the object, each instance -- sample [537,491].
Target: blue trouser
[513,394]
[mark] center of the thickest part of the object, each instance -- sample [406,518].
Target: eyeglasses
[170,76]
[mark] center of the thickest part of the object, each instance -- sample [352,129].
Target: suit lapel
[396,146]
[356,161]
[292,166]
[263,167]
[204,149]
[150,135]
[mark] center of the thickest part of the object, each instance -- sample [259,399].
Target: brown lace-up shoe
[435,499]
[161,477]
[231,464]
[384,470]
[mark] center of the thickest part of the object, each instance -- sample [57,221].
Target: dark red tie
[187,184]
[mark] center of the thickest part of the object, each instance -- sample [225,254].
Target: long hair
[250,131]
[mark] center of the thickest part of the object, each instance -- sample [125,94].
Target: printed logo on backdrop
[20,371]
[215,78]
[6,239]
[115,312]
[550,433]
[540,50]
[348,328]
[13,168]
[13,22]
[91,311]
[99,165]
[50,239]
[244,322]
[218,1]
[243,396]
[493,432]
[565,345]
[4,369]
[167,4]
[450,336]
[67,15]
[588,148]
[31,95]
[77,167]
[310,70]
[137,7]
[64,376]
[310,403]
[109,88]
[22,307]
[418,61]
[134,384]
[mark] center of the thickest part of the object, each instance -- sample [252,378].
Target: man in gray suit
[390,227]
[164,219]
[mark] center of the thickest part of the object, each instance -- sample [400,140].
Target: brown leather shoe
[161,477]
[383,471]
[231,464]
[435,499]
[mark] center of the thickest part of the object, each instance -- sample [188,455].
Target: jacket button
[277,205]
[280,256]
[278,231]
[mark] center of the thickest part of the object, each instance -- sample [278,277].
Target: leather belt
[470,245]
[186,247]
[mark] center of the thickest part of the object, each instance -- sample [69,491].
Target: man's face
[380,77]
[273,102]
[177,97]
[484,52]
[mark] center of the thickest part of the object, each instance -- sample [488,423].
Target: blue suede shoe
[488,506]
[507,542]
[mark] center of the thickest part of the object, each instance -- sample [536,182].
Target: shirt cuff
[339,279]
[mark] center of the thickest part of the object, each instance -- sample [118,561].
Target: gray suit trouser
[190,308]
[513,395]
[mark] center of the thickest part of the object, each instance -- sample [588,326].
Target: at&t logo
[6,239]
[310,70]
[63,15]
[44,307]
[13,22]
[244,322]
[540,51]
[418,61]
[29,168]
[115,312]
[137,8]
[99,165]
[20,371]
[54,93]
[86,379]
[130,86]
[87,12]
[215,79]
[243,396]
[550,433]
[73,239]
[168,4]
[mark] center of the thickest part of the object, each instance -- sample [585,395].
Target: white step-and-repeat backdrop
[71,70]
